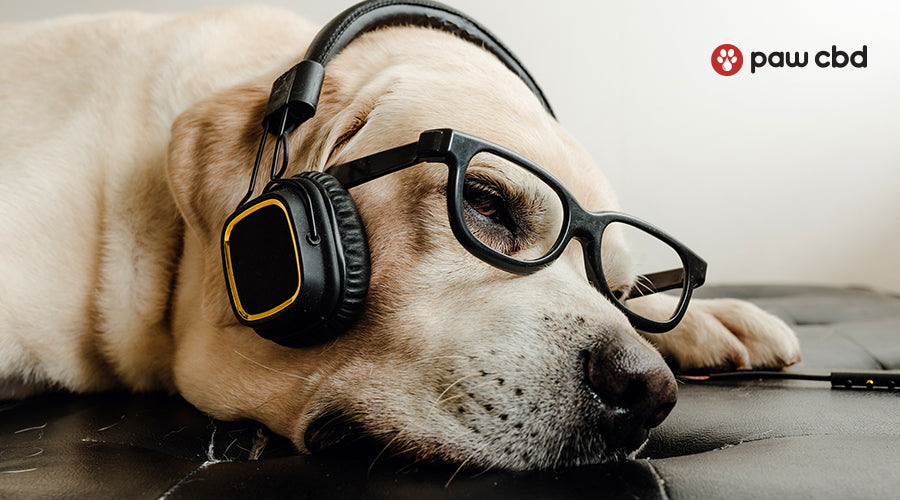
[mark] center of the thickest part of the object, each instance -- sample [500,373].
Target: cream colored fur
[127,141]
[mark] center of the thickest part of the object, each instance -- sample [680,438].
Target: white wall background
[788,175]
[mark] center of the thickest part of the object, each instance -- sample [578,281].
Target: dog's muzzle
[624,390]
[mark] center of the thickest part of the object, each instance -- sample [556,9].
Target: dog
[128,139]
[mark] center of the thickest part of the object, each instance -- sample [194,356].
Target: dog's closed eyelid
[519,187]
[518,201]
[359,121]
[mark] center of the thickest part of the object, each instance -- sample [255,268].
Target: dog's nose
[636,387]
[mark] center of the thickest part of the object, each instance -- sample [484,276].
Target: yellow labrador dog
[128,139]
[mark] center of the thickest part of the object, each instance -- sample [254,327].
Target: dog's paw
[719,334]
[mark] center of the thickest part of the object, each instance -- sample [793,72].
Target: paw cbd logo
[727,59]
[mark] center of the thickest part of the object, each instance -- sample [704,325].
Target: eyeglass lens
[515,213]
[510,209]
[636,264]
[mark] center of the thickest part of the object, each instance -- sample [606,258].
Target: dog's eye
[488,204]
[484,202]
[488,216]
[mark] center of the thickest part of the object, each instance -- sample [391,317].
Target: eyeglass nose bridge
[587,228]
[590,249]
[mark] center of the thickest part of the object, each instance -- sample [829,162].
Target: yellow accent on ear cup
[230,270]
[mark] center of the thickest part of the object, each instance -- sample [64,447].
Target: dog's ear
[211,154]
[210,159]
[214,145]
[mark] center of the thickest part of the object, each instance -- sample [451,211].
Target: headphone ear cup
[354,249]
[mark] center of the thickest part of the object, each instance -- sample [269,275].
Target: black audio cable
[889,380]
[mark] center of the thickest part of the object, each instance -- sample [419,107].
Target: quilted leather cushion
[750,439]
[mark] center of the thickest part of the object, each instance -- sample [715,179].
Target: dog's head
[453,359]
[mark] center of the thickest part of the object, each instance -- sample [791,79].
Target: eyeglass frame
[456,149]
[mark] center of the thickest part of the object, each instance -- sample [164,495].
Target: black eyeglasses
[511,213]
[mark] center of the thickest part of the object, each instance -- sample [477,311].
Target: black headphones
[296,258]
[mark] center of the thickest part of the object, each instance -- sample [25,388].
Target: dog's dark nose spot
[633,382]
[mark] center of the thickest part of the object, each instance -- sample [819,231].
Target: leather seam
[660,482]
[184,479]
[861,346]
[727,446]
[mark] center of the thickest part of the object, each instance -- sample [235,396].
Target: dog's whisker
[411,448]
[438,400]
[448,398]
[643,284]
[495,463]
[434,358]
[275,370]
[406,467]
[404,451]
[336,418]
[386,448]
[479,451]
[452,477]
[445,356]
[456,396]
[269,399]
[558,461]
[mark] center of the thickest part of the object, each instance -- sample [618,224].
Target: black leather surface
[756,439]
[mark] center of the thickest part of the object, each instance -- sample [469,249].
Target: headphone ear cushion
[355,250]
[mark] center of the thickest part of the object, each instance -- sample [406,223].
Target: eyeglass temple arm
[371,167]
[432,145]
[648,284]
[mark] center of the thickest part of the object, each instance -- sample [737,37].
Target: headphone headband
[296,258]
[295,94]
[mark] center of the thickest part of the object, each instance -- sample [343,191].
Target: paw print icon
[727,59]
